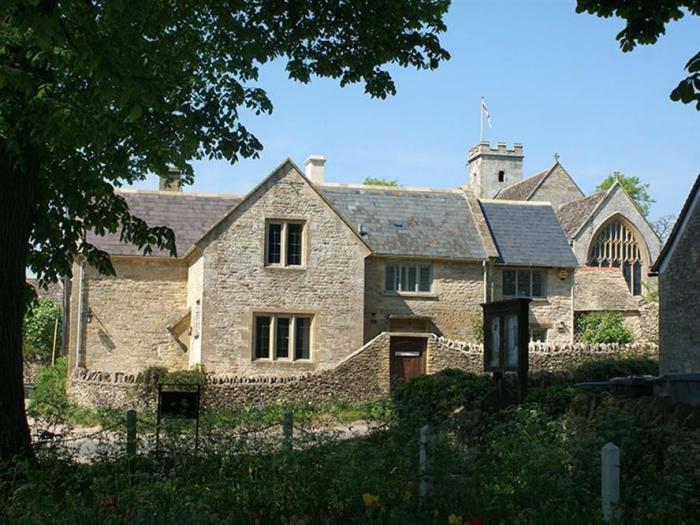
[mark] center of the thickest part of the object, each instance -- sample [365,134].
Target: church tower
[492,169]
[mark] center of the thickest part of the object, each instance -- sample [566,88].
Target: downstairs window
[282,337]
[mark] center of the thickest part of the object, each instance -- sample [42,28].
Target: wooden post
[610,482]
[53,348]
[425,458]
[131,432]
[288,427]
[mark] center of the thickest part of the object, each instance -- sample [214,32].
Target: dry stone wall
[362,376]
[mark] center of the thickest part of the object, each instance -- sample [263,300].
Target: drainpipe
[79,320]
[485,264]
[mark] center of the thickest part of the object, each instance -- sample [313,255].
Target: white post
[53,347]
[426,461]
[610,482]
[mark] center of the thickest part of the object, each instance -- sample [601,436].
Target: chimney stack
[315,168]
[172,182]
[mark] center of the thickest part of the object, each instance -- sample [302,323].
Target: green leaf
[134,114]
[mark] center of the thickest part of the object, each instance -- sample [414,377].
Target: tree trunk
[18,195]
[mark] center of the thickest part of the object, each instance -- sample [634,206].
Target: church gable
[557,187]
[616,203]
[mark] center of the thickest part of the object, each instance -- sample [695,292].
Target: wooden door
[407,357]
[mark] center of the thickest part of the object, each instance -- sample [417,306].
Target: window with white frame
[282,336]
[409,277]
[284,242]
[523,283]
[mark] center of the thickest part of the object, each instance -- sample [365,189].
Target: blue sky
[554,80]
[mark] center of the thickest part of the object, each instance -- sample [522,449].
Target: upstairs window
[523,283]
[284,243]
[408,277]
[501,176]
[282,337]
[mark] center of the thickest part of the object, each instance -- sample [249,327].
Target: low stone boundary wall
[362,376]
[543,357]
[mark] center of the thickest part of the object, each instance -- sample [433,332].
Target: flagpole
[481,119]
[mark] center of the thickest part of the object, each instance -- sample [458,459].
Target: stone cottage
[300,273]
[678,268]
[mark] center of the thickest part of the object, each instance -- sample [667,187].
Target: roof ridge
[516,202]
[179,193]
[384,188]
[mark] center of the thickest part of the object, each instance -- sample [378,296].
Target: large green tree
[98,93]
[645,22]
[638,191]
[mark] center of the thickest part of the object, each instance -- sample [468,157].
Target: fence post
[131,432]
[288,427]
[610,482]
[426,461]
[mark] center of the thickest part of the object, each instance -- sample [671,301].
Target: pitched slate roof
[410,222]
[190,215]
[527,234]
[572,215]
[679,226]
[521,191]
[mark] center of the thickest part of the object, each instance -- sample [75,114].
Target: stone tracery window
[615,246]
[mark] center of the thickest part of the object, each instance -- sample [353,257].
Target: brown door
[407,357]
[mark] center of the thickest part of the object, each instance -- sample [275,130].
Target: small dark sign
[183,405]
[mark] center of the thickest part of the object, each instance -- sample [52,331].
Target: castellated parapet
[484,148]
[494,168]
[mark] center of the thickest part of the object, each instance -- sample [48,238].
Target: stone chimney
[172,182]
[315,168]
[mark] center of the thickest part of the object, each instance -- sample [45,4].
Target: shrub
[604,369]
[38,329]
[603,327]
[152,376]
[48,398]
[554,400]
[433,398]
[476,325]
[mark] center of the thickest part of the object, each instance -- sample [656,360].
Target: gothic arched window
[616,246]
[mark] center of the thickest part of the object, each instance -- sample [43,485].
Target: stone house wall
[458,291]
[329,285]
[553,312]
[129,315]
[679,295]
[558,188]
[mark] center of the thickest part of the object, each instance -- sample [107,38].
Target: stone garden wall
[362,376]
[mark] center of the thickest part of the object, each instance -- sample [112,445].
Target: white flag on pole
[485,111]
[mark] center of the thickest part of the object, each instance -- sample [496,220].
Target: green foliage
[637,191]
[645,22]
[98,95]
[38,329]
[48,398]
[373,181]
[434,398]
[476,326]
[603,327]
[604,369]
[553,400]
[535,464]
